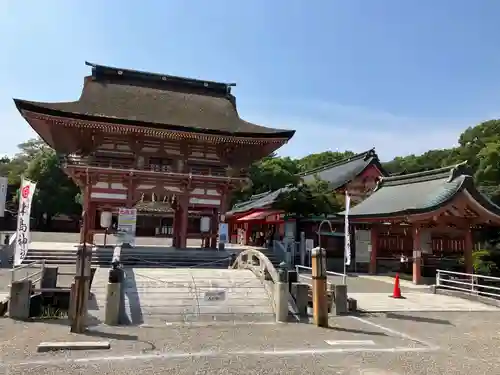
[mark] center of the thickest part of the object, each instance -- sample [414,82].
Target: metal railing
[35,276]
[473,284]
[308,270]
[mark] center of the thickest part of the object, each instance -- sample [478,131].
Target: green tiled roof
[259,200]
[341,172]
[419,192]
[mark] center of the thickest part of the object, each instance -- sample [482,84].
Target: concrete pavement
[388,344]
[156,297]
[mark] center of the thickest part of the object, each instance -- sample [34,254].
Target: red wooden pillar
[183,221]
[468,248]
[215,228]
[373,254]
[417,256]
[175,227]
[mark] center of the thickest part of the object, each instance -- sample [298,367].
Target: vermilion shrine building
[144,137]
[357,174]
[428,217]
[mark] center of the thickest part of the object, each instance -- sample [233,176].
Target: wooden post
[82,276]
[320,300]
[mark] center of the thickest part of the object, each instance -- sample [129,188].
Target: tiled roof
[419,192]
[156,100]
[341,172]
[259,201]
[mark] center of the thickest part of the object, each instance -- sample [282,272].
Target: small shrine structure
[357,174]
[136,136]
[427,217]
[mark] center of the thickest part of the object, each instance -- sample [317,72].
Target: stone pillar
[301,293]
[19,303]
[373,254]
[49,277]
[183,221]
[340,299]
[417,256]
[468,248]
[320,299]
[113,297]
[281,295]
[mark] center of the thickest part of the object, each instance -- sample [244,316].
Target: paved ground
[157,296]
[381,302]
[382,344]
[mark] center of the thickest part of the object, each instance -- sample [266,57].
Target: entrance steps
[161,257]
[163,296]
[64,253]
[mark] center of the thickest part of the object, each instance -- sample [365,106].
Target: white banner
[127,224]
[4,182]
[347,239]
[26,193]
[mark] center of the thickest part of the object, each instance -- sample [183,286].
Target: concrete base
[281,301]
[339,306]
[19,304]
[113,296]
[84,345]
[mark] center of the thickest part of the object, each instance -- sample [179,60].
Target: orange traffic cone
[396,293]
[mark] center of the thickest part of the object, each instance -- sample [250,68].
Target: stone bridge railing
[262,267]
[258,263]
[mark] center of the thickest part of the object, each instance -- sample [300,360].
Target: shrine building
[428,217]
[137,137]
[358,175]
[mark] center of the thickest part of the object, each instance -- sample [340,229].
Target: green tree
[314,198]
[56,192]
[269,174]
[322,158]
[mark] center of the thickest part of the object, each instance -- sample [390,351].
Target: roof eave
[23,105]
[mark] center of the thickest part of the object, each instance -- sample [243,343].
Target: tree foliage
[314,198]
[56,192]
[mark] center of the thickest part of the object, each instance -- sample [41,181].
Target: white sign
[347,239]
[127,223]
[363,246]
[223,232]
[205,224]
[26,193]
[4,182]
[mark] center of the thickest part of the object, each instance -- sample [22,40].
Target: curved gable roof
[344,171]
[421,192]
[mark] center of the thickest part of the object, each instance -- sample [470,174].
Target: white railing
[308,270]
[488,286]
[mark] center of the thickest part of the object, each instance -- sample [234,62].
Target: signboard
[215,295]
[3,194]
[127,223]
[205,224]
[425,241]
[363,245]
[223,232]
[26,193]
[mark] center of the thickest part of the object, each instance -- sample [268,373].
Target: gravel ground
[430,344]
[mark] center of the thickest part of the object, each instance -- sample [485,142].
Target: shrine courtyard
[382,344]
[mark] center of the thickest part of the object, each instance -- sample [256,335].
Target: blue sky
[401,76]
